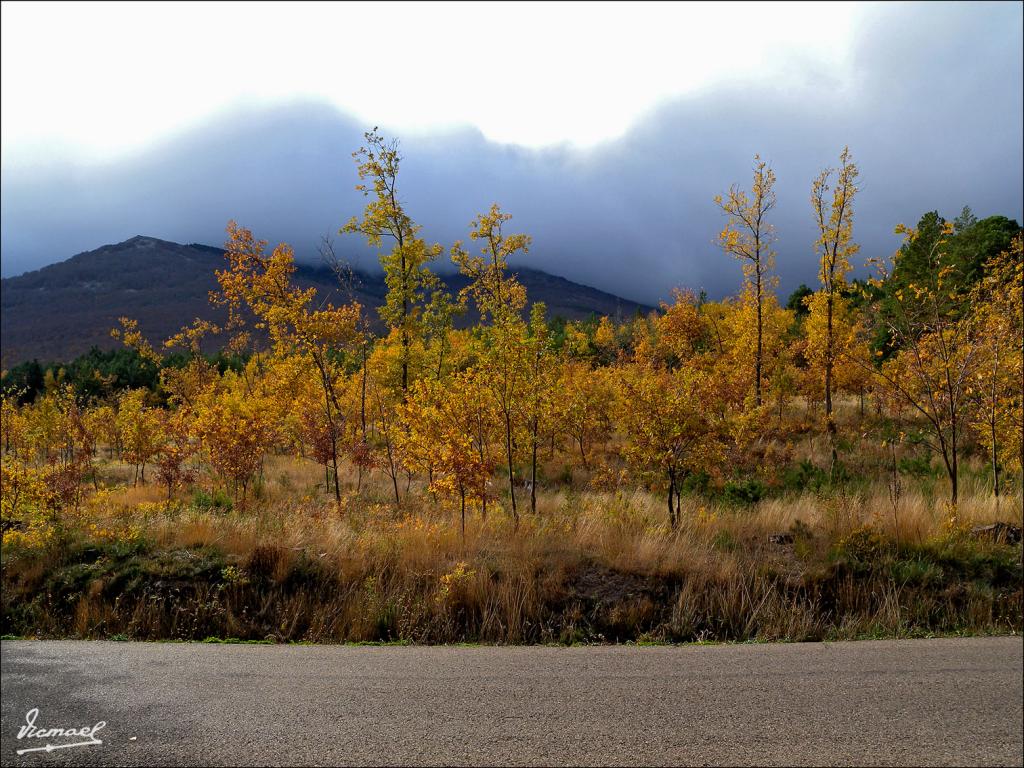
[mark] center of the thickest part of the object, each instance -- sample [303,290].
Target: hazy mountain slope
[62,310]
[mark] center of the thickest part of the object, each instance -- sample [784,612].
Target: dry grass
[590,565]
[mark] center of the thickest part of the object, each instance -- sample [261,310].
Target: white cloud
[95,80]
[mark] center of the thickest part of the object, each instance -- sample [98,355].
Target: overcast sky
[604,129]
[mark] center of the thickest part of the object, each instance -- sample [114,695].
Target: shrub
[916,466]
[805,476]
[218,500]
[698,482]
[865,545]
[748,491]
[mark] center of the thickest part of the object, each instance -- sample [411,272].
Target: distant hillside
[60,311]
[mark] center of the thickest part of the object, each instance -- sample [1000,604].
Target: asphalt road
[915,702]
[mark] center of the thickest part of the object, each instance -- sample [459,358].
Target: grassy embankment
[597,563]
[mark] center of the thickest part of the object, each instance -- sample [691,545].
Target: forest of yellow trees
[845,464]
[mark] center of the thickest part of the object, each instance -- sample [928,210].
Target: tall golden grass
[589,565]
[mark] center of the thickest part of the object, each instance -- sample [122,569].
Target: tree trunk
[671,492]
[995,460]
[583,452]
[462,499]
[992,426]
[533,471]
[758,361]
[483,487]
[511,473]
[405,318]
[393,471]
[954,478]
[337,490]
[949,460]
[830,423]
[362,398]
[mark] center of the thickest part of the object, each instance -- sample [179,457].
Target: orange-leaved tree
[319,335]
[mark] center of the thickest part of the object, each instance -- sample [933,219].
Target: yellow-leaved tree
[500,299]
[998,419]
[444,439]
[939,354]
[749,237]
[234,429]
[406,272]
[669,427]
[138,426]
[833,216]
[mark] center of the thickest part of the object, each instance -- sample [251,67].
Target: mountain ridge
[62,310]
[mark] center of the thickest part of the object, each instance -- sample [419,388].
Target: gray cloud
[933,117]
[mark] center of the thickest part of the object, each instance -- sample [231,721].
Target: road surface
[914,702]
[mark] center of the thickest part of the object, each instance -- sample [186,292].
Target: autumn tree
[406,272]
[183,384]
[443,438]
[438,318]
[539,387]
[584,403]
[484,423]
[938,358]
[103,425]
[724,337]
[668,426]
[233,426]
[357,443]
[842,345]
[52,449]
[132,337]
[384,407]
[999,304]
[13,427]
[57,424]
[175,450]
[500,300]
[737,335]
[355,401]
[606,341]
[681,330]
[138,427]
[748,237]
[833,215]
[318,335]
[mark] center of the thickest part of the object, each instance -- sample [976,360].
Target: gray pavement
[913,702]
